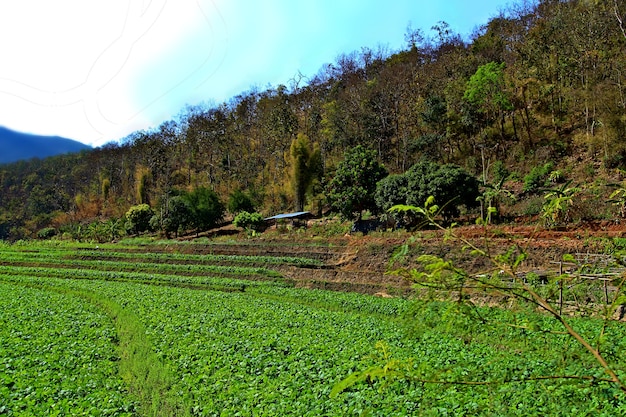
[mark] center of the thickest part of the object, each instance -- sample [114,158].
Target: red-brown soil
[361,263]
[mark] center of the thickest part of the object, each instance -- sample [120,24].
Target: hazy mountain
[15,145]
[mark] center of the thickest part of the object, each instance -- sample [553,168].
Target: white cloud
[72,67]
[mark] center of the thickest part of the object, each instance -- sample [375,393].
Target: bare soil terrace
[361,262]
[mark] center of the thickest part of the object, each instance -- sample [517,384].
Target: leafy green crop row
[57,357]
[277,350]
[27,258]
[87,274]
[280,352]
[40,251]
[336,301]
[208,258]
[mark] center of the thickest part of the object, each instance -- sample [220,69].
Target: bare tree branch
[620,19]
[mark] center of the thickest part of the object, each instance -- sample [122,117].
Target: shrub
[138,218]
[556,177]
[179,215]
[537,177]
[47,233]
[207,211]
[449,184]
[249,221]
[391,191]
[156,222]
[351,191]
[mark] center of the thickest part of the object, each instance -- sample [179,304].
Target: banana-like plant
[618,199]
[557,201]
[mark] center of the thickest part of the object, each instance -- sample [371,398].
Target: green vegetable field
[127,330]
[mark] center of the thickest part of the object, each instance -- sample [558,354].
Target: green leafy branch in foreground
[391,369]
[387,369]
[443,280]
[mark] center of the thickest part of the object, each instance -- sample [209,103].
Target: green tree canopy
[249,221]
[207,211]
[178,216]
[138,218]
[353,187]
[486,91]
[449,184]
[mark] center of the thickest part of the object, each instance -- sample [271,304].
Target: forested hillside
[536,98]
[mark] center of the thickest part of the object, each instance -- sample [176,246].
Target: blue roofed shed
[292,218]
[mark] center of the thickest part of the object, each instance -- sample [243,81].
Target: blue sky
[96,71]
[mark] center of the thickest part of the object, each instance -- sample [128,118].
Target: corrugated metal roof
[288,215]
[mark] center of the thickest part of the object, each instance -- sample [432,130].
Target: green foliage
[435,112]
[94,232]
[330,227]
[352,189]
[388,370]
[200,209]
[428,211]
[59,357]
[101,231]
[438,277]
[534,108]
[116,253]
[240,201]
[618,199]
[486,88]
[448,184]
[556,177]
[391,190]
[113,229]
[249,221]
[138,218]
[46,233]
[555,210]
[492,196]
[156,223]
[126,310]
[179,215]
[468,105]
[207,211]
[537,177]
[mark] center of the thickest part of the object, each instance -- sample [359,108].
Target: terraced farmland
[190,330]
